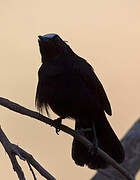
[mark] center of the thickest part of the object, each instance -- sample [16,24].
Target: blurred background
[106,33]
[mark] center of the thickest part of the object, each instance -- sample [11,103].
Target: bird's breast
[66,94]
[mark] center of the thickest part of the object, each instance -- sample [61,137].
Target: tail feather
[107,141]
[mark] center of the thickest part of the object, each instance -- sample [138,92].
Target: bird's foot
[57,123]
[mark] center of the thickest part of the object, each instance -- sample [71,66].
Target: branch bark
[131,144]
[20,109]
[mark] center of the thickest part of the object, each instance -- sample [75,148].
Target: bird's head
[51,46]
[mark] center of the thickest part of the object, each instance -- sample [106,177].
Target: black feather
[68,85]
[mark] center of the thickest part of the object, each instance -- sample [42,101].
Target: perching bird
[68,85]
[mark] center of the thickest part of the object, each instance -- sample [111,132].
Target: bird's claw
[57,123]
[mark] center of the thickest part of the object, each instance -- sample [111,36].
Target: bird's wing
[86,72]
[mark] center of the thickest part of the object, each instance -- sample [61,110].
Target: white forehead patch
[50,35]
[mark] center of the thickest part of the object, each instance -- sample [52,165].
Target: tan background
[106,33]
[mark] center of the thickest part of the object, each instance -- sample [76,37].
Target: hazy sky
[106,33]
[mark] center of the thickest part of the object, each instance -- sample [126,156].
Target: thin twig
[35,164]
[20,109]
[7,146]
[32,171]
[14,150]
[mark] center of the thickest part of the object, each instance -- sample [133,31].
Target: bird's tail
[107,141]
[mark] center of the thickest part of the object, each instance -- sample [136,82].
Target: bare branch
[20,109]
[28,157]
[13,150]
[9,149]
[32,171]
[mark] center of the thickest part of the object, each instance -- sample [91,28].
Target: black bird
[68,85]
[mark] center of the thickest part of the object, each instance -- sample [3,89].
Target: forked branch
[22,110]
[14,150]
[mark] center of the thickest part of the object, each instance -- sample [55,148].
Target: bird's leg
[57,122]
[95,140]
